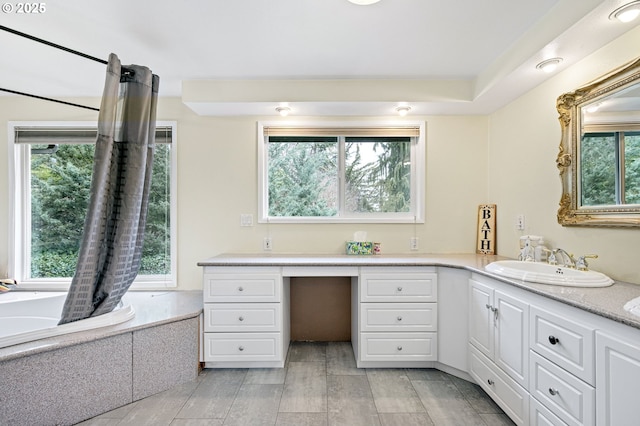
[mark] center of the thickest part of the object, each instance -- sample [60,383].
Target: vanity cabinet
[499,344]
[562,362]
[397,317]
[618,376]
[245,318]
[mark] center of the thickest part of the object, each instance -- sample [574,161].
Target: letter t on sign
[486,241]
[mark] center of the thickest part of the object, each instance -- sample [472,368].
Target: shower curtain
[111,246]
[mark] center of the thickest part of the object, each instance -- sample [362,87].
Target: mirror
[599,154]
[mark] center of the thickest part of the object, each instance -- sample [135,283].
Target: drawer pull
[241,318]
[399,348]
[553,392]
[241,348]
[399,318]
[490,382]
[554,340]
[240,288]
[399,288]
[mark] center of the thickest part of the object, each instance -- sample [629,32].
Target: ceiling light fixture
[364,2]
[549,65]
[403,110]
[626,13]
[283,111]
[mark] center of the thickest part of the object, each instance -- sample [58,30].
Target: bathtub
[26,316]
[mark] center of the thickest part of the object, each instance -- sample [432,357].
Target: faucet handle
[582,264]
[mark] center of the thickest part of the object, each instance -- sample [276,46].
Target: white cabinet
[245,317]
[397,317]
[499,327]
[618,377]
[499,345]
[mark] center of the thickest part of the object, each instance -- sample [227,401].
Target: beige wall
[507,158]
[217,161]
[523,144]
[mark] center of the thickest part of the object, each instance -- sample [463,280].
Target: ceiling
[322,57]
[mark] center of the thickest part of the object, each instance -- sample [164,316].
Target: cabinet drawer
[398,317]
[236,317]
[399,287]
[541,416]
[565,342]
[568,397]
[508,394]
[242,287]
[241,347]
[399,347]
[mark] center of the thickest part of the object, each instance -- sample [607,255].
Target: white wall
[523,144]
[217,161]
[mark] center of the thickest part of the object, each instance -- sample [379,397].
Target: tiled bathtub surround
[67,379]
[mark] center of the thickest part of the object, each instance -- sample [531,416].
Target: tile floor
[319,386]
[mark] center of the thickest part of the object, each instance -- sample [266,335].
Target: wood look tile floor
[319,386]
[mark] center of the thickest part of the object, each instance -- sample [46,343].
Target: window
[345,173]
[52,171]
[610,168]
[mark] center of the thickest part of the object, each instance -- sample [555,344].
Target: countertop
[607,302]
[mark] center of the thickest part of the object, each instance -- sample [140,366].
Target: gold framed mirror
[599,153]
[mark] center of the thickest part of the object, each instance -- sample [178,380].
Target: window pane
[60,183]
[632,167]
[303,176]
[598,169]
[378,175]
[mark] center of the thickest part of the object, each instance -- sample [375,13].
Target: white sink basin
[633,306]
[544,273]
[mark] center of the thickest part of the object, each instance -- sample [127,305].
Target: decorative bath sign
[486,241]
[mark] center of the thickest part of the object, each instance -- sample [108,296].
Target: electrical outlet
[267,244]
[520,222]
[413,243]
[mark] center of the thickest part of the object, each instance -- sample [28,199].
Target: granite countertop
[607,302]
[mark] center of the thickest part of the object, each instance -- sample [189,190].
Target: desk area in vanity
[538,353]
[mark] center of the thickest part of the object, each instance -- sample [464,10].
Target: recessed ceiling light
[364,2]
[283,111]
[403,110]
[626,13]
[549,65]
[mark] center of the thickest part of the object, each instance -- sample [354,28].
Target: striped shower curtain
[111,246]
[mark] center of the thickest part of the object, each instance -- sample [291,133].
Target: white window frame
[418,166]
[20,218]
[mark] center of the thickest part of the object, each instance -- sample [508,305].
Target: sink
[544,273]
[633,306]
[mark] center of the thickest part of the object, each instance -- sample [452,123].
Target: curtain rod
[125,71]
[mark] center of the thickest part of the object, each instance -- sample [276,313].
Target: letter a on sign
[486,241]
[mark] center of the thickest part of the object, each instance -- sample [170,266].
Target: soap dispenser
[540,251]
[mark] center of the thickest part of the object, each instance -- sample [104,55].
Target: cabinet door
[618,380]
[481,317]
[511,351]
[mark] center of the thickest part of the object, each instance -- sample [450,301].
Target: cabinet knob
[553,392]
[490,382]
[241,318]
[488,306]
[241,348]
[399,318]
[399,348]
[240,288]
[554,340]
[399,288]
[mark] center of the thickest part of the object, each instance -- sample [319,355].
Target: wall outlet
[413,243]
[267,244]
[520,222]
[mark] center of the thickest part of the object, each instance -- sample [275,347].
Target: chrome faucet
[568,259]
